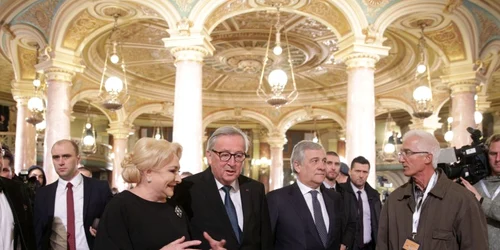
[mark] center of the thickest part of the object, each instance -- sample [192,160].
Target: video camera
[469,162]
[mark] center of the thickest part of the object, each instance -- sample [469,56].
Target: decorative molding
[361,60]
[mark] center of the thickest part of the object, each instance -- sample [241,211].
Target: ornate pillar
[25,151]
[462,110]
[429,124]
[120,132]
[255,153]
[189,50]
[57,114]
[360,125]
[276,142]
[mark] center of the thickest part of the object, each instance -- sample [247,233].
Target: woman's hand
[181,244]
[215,245]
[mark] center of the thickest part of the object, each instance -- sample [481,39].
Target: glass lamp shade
[113,84]
[88,140]
[88,125]
[277,50]
[450,119]
[157,136]
[114,58]
[421,68]
[41,126]
[278,79]
[315,139]
[389,148]
[37,83]
[35,104]
[422,93]
[478,117]
[448,136]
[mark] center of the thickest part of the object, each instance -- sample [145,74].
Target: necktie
[231,213]
[360,240]
[70,210]
[318,217]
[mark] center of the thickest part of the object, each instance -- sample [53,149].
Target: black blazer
[96,195]
[351,207]
[293,225]
[200,198]
[18,197]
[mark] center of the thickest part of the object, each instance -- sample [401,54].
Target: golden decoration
[326,11]
[40,14]
[223,10]
[82,25]
[449,39]
[27,60]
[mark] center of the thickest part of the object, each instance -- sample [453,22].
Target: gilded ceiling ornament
[40,14]
[370,34]
[489,28]
[329,13]
[449,39]
[375,3]
[451,6]
[81,26]
[27,58]
[184,5]
[223,10]
[184,26]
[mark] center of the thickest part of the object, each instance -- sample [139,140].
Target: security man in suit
[66,209]
[16,216]
[221,201]
[362,201]
[306,215]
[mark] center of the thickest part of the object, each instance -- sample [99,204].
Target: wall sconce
[114,90]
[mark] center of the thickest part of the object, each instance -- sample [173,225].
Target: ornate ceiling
[458,33]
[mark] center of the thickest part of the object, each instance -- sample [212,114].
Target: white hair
[427,143]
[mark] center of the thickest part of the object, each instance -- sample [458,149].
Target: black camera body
[472,160]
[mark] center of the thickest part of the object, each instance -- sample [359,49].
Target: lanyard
[420,202]
[487,193]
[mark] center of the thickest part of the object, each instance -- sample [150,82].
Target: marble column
[360,125]
[120,132]
[57,115]
[462,110]
[25,151]
[276,143]
[187,129]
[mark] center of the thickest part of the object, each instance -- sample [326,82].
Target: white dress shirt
[58,238]
[235,196]
[305,190]
[367,222]
[6,224]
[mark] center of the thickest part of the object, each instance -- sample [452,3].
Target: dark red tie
[70,210]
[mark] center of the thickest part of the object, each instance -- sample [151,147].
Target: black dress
[130,222]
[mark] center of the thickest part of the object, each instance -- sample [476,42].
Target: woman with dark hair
[38,174]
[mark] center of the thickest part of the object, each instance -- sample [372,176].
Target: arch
[491,48]
[393,103]
[204,9]
[440,106]
[264,120]
[149,108]
[70,9]
[297,116]
[89,94]
[461,17]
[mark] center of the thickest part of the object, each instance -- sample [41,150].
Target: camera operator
[487,190]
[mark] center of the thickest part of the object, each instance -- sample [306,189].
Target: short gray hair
[227,130]
[427,142]
[298,152]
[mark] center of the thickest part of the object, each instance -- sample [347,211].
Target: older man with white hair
[429,211]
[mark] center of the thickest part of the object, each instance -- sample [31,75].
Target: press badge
[410,245]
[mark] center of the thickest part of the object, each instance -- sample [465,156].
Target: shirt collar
[356,189]
[235,185]
[76,181]
[305,189]
[328,185]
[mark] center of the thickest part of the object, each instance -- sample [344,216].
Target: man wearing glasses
[221,201]
[486,191]
[429,211]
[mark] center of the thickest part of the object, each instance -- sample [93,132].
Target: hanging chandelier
[448,136]
[88,141]
[36,103]
[158,130]
[422,95]
[390,141]
[113,89]
[277,77]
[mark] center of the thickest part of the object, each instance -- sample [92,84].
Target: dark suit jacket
[200,198]
[351,206]
[18,197]
[293,225]
[96,195]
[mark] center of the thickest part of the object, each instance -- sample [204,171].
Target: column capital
[429,124]
[275,139]
[189,46]
[361,60]
[119,130]
[56,61]
[463,86]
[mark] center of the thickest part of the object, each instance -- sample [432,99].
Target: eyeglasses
[408,153]
[226,156]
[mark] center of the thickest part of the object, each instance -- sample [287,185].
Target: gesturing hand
[471,188]
[215,245]
[181,244]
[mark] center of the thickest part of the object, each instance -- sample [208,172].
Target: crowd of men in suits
[321,210]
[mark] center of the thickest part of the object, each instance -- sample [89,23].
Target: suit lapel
[87,189]
[52,197]
[303,211]
[213,200]
[246,203]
